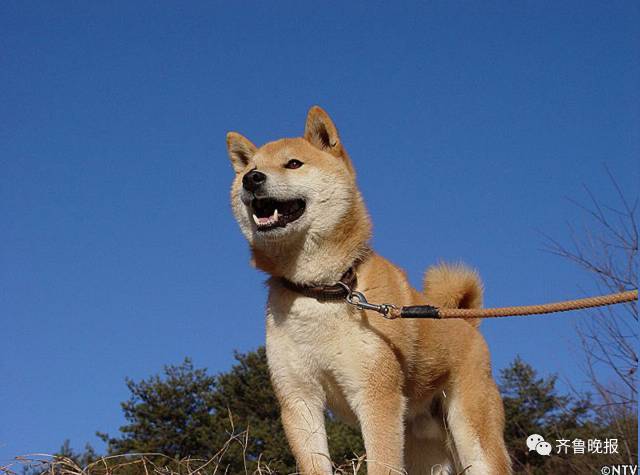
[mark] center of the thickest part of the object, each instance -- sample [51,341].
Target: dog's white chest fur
[312,345]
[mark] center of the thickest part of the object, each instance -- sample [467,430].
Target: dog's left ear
[321,133]
[240,149]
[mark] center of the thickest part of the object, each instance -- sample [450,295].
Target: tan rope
[588,302]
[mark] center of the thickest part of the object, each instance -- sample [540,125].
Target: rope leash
[391,312]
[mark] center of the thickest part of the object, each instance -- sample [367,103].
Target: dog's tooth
[255,219]
[275,215]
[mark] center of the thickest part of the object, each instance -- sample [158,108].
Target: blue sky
[470,124]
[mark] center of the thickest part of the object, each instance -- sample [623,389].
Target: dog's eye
[293,164]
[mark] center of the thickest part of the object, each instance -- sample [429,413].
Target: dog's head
[293,191]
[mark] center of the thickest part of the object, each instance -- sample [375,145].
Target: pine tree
[533,406]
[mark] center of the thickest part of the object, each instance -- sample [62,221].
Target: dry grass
[144,464]
[147,464]
[160,464]
[153,464]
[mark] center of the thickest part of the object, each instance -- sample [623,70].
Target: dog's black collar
[323,292]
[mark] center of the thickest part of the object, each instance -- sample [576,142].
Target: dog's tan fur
[420,390]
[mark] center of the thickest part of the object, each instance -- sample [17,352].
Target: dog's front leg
[381,416]
[302,402]
[303,421]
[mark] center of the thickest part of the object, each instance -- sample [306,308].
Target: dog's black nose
[253,180]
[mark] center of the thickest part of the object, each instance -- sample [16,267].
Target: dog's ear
[240,149]
[321,133]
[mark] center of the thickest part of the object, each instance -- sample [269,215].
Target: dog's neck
[319,259]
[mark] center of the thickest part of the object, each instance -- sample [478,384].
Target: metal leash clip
[358,300]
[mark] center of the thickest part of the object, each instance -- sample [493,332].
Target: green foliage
[170,415]
[244,396]
[533,406]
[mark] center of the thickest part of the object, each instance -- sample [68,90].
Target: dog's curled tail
[453,286]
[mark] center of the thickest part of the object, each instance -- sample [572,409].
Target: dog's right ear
[320,131]
[240,149]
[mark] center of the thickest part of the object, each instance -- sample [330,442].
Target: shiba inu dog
[420,390]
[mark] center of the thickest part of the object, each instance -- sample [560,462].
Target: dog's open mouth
[270,214]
